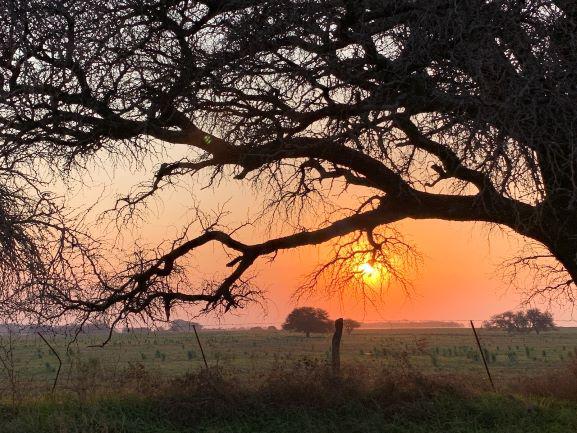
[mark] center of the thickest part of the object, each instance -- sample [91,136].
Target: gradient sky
[458,279]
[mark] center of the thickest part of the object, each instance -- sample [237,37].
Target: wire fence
[29,361]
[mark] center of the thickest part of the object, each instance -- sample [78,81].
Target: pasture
[248,354]
[425,380]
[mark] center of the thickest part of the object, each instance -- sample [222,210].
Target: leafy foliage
[350,324]
[307,320]
[531,320]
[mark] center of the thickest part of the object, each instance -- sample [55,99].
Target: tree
[532,320]
[307,320]
[350,325]
[433,109]
[540,321]
[180,325]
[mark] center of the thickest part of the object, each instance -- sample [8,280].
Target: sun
[367,269]
[372,273]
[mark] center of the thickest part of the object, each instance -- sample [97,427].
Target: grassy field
[249,353]
[443,413]
[271,381]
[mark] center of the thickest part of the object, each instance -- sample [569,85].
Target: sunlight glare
[367,269]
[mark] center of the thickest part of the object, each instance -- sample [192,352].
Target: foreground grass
[443,413]
[305,400]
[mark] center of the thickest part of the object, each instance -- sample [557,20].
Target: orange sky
[458,278]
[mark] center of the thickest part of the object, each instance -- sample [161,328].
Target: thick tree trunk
[565,251]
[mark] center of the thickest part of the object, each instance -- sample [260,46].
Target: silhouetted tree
[307,320]
[540,321]
[350,325]
[435,109]
[505,321]
[180,325]
[532,320]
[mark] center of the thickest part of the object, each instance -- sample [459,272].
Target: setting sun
[373,274]
[367,269]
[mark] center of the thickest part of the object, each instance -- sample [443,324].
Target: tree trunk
[564,248]
[308,334]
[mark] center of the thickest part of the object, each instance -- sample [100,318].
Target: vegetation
[307,398]
[249,354]
[349,325]
[531,320]
[307,320]
[393,380]
[399,99]
[180,325]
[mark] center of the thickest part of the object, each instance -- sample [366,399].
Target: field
[271,381]
[251,353]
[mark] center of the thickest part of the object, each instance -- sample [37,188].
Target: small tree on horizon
[350,325]
[307,320]
[179,325]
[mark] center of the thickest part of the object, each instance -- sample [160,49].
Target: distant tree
[180,325]
[272,328]
[307,320]
[532,320]
[540,321]
[136,330]
[509,321]
[350,325]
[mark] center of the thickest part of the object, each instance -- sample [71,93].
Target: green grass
[442,413]
[265,381]
[249,353]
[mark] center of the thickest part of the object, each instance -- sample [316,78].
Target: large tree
[431,109]
[520,321]
[307,320]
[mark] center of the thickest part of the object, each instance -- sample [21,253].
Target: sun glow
[373,273]
[367,269]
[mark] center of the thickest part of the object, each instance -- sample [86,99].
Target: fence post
[57,357]
[336,346]
[483,356]
[200,345]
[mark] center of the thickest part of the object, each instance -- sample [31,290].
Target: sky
[459,276]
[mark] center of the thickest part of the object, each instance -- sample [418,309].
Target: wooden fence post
[336,346]
[483,355]
[200,345]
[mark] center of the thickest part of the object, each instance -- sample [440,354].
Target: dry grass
[300,398]
[559,384]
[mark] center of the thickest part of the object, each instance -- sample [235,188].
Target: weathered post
[336,346]
[483,356]
[200,345]
[57,357]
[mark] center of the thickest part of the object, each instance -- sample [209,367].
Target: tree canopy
[308,320]
[430,109]
[520,321]
[350,325]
